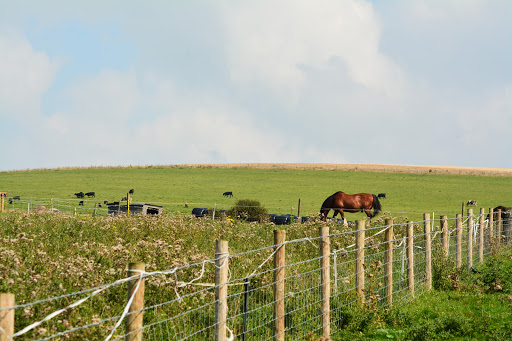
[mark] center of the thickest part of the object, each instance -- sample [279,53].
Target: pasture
[47,255]
[277,189]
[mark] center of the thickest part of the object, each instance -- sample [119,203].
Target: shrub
[249,210]
[445,275]
[496,275]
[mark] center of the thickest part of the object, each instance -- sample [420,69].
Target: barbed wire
[143,274]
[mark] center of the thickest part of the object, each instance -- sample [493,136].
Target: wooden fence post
[3,202]
[127,203]
[491,230]
[134,321]
[360,225]
[444,229]
[500,229]
[279,272]
[325,254]
[221,289]
[428,250]
[481,235]
[388,259]
[491,225]
[470,238]
[6,316]
[410,257]
[458,226]
[299,211]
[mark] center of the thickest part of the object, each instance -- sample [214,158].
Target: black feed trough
[272,217]
[284,219]
[304,219]
[143,209]
[199,212]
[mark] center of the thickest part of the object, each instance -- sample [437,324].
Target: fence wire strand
[191,314]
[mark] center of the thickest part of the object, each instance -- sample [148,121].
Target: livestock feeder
[199,212]
[143,209]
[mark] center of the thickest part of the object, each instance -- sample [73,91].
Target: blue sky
[98,83]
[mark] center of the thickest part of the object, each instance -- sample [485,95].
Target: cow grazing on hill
[81,203]
[131,191]
[91,194]
[80,195]
[471,203]
[381,196]
[227,194]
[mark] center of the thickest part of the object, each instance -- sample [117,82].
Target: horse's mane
[327,202]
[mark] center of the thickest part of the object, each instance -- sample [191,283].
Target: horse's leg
[323,215]
[343,217]
[368,213]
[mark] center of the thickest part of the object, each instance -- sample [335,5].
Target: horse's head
[323,213]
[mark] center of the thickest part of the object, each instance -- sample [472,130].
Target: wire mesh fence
[279,291]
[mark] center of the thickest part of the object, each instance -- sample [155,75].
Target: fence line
[72,205]
[305,291]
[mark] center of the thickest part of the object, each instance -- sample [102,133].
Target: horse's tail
[376,206]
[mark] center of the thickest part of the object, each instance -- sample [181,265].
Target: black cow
[227,194]
[80,194]
[81,203]
[11,200]
[381,196]
[91,194]
[131,191]
[105,202]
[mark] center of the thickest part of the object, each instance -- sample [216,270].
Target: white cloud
[190,128]
[109,95]
[25,74]
[270,42]
[326,81]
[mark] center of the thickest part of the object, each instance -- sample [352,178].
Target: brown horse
[361,202]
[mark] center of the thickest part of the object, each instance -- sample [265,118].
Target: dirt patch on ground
[332,166]
[368,168]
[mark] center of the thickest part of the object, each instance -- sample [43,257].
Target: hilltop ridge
[380,168]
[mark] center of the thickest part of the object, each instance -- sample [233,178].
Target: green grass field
[46,255]
[278,190]
[475,306]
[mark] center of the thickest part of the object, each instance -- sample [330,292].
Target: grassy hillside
[278,189]
[46,255]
